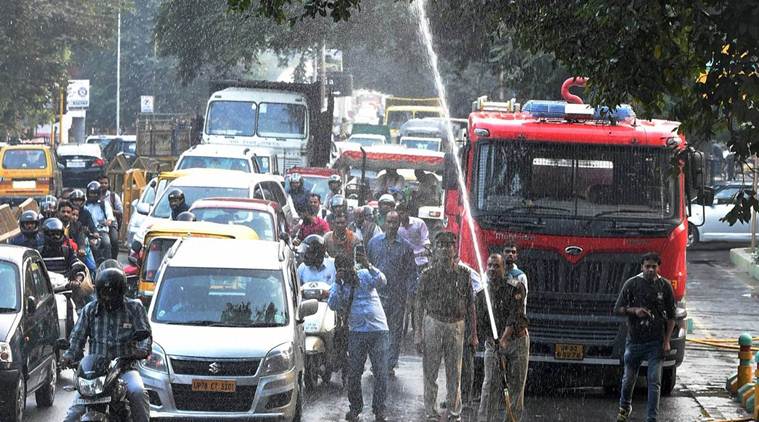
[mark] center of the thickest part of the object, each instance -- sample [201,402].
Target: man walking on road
[512,347]
[443,300]
[395,258]
[649,304]
[355,293]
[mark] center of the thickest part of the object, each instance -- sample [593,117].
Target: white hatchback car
[228,338]
[221,184]
[704,223]
[228,157]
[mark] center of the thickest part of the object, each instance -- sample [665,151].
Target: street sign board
[146,104]
[340,84]
[78,94]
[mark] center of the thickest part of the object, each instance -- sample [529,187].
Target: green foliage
[36,37]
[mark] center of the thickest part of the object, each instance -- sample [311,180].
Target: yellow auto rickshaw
[161,236]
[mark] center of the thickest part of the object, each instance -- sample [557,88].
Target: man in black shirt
[649,304]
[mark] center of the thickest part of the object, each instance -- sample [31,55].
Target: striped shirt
[110,332]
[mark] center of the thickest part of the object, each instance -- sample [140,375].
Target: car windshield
[221,297]
[236,118]
[154,255]
[395,119]
[278,120]
[367,142]
[426,144]
[103,142]
[129,147]
[213,162]
[16,159]
[263,164]
[313,184]
[193,193]
[9,295]
[260,221]
[575,180]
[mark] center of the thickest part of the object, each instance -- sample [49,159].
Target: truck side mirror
[450,173]
[694,173]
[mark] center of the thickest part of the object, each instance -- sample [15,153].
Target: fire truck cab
[582,193]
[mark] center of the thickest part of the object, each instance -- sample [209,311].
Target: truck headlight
[91,387]
[279,359]
[6,355]
[156,361]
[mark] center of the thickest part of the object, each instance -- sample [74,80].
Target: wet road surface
[722,302]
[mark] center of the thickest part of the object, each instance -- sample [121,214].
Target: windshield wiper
[4,310]
[500,219]
[245,324]
[201,322]
[535,207]
[601,214]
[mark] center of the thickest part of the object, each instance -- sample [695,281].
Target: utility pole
[753,213]
[118,75]
[60,121]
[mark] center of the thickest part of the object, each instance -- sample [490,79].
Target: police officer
[30,237]
[110,322]
[177,203]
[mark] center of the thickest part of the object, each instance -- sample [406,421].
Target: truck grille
[222,367]
[202,401]
[575,303]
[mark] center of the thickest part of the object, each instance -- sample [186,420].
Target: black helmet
[186,216]
[30,216]
[110,285]
[109,263]
[176,197]
[315,248]
[76,194]
[93,191]
[53,230]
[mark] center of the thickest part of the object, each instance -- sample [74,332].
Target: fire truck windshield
[574,180]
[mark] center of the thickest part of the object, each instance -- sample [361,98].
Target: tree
[36,38]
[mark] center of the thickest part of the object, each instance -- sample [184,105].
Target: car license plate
[217,386]
[24,184]
[569,352]
[76,164]
[86,401]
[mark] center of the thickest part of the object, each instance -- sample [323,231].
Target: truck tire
[692,236]
[14,411]
[668,380]
[45,395]
[311,373]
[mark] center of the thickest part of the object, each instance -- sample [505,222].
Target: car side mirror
[284,236]
[143,208]
[136,246]
[62,344]
[31,305]
[133,260]
[307,308]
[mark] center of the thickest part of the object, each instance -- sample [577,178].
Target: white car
[140,209]
[367,139]
[704,223]
[228,336]
[228,157]
[220,184]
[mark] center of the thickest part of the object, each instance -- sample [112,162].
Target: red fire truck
[583,193]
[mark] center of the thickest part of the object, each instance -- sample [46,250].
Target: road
[721,301]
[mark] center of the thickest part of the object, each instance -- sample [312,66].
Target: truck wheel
[299,404]
[668,380]
[311,373]
[327,375]
[14,412]
[45,395]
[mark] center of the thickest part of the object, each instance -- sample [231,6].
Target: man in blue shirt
[355,293]
[395,258]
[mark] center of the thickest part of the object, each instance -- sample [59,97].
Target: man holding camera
[649,304]
[355,294]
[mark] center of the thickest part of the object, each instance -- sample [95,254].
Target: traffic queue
[243,290]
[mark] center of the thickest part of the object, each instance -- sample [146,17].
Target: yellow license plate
[569,352]
[216,386]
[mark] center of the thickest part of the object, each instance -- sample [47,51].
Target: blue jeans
[395,309]
[136,395]
[635,354]
[375,344]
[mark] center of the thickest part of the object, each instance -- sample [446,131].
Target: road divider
[744,384]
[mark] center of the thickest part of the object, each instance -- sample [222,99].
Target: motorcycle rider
[177,203]
[83,219]
[110,322]
[335,188]
[315,266]
[48,207]
[338,205]
[102,216]
[112,198]
[30,236]
[297,192]
[59,257]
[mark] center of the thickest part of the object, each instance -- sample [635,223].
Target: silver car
[228,337]
[704,223]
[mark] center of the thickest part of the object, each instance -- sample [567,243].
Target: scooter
[67,315]
[101,390]
[321,359]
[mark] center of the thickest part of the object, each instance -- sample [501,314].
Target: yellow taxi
[28,171]
[160,237]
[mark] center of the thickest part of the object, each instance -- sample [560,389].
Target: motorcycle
[101,390]
[132,270]
[321,359]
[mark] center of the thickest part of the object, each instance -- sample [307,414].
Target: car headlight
[6,355]
[279,359]
[156,361]
[91,387]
